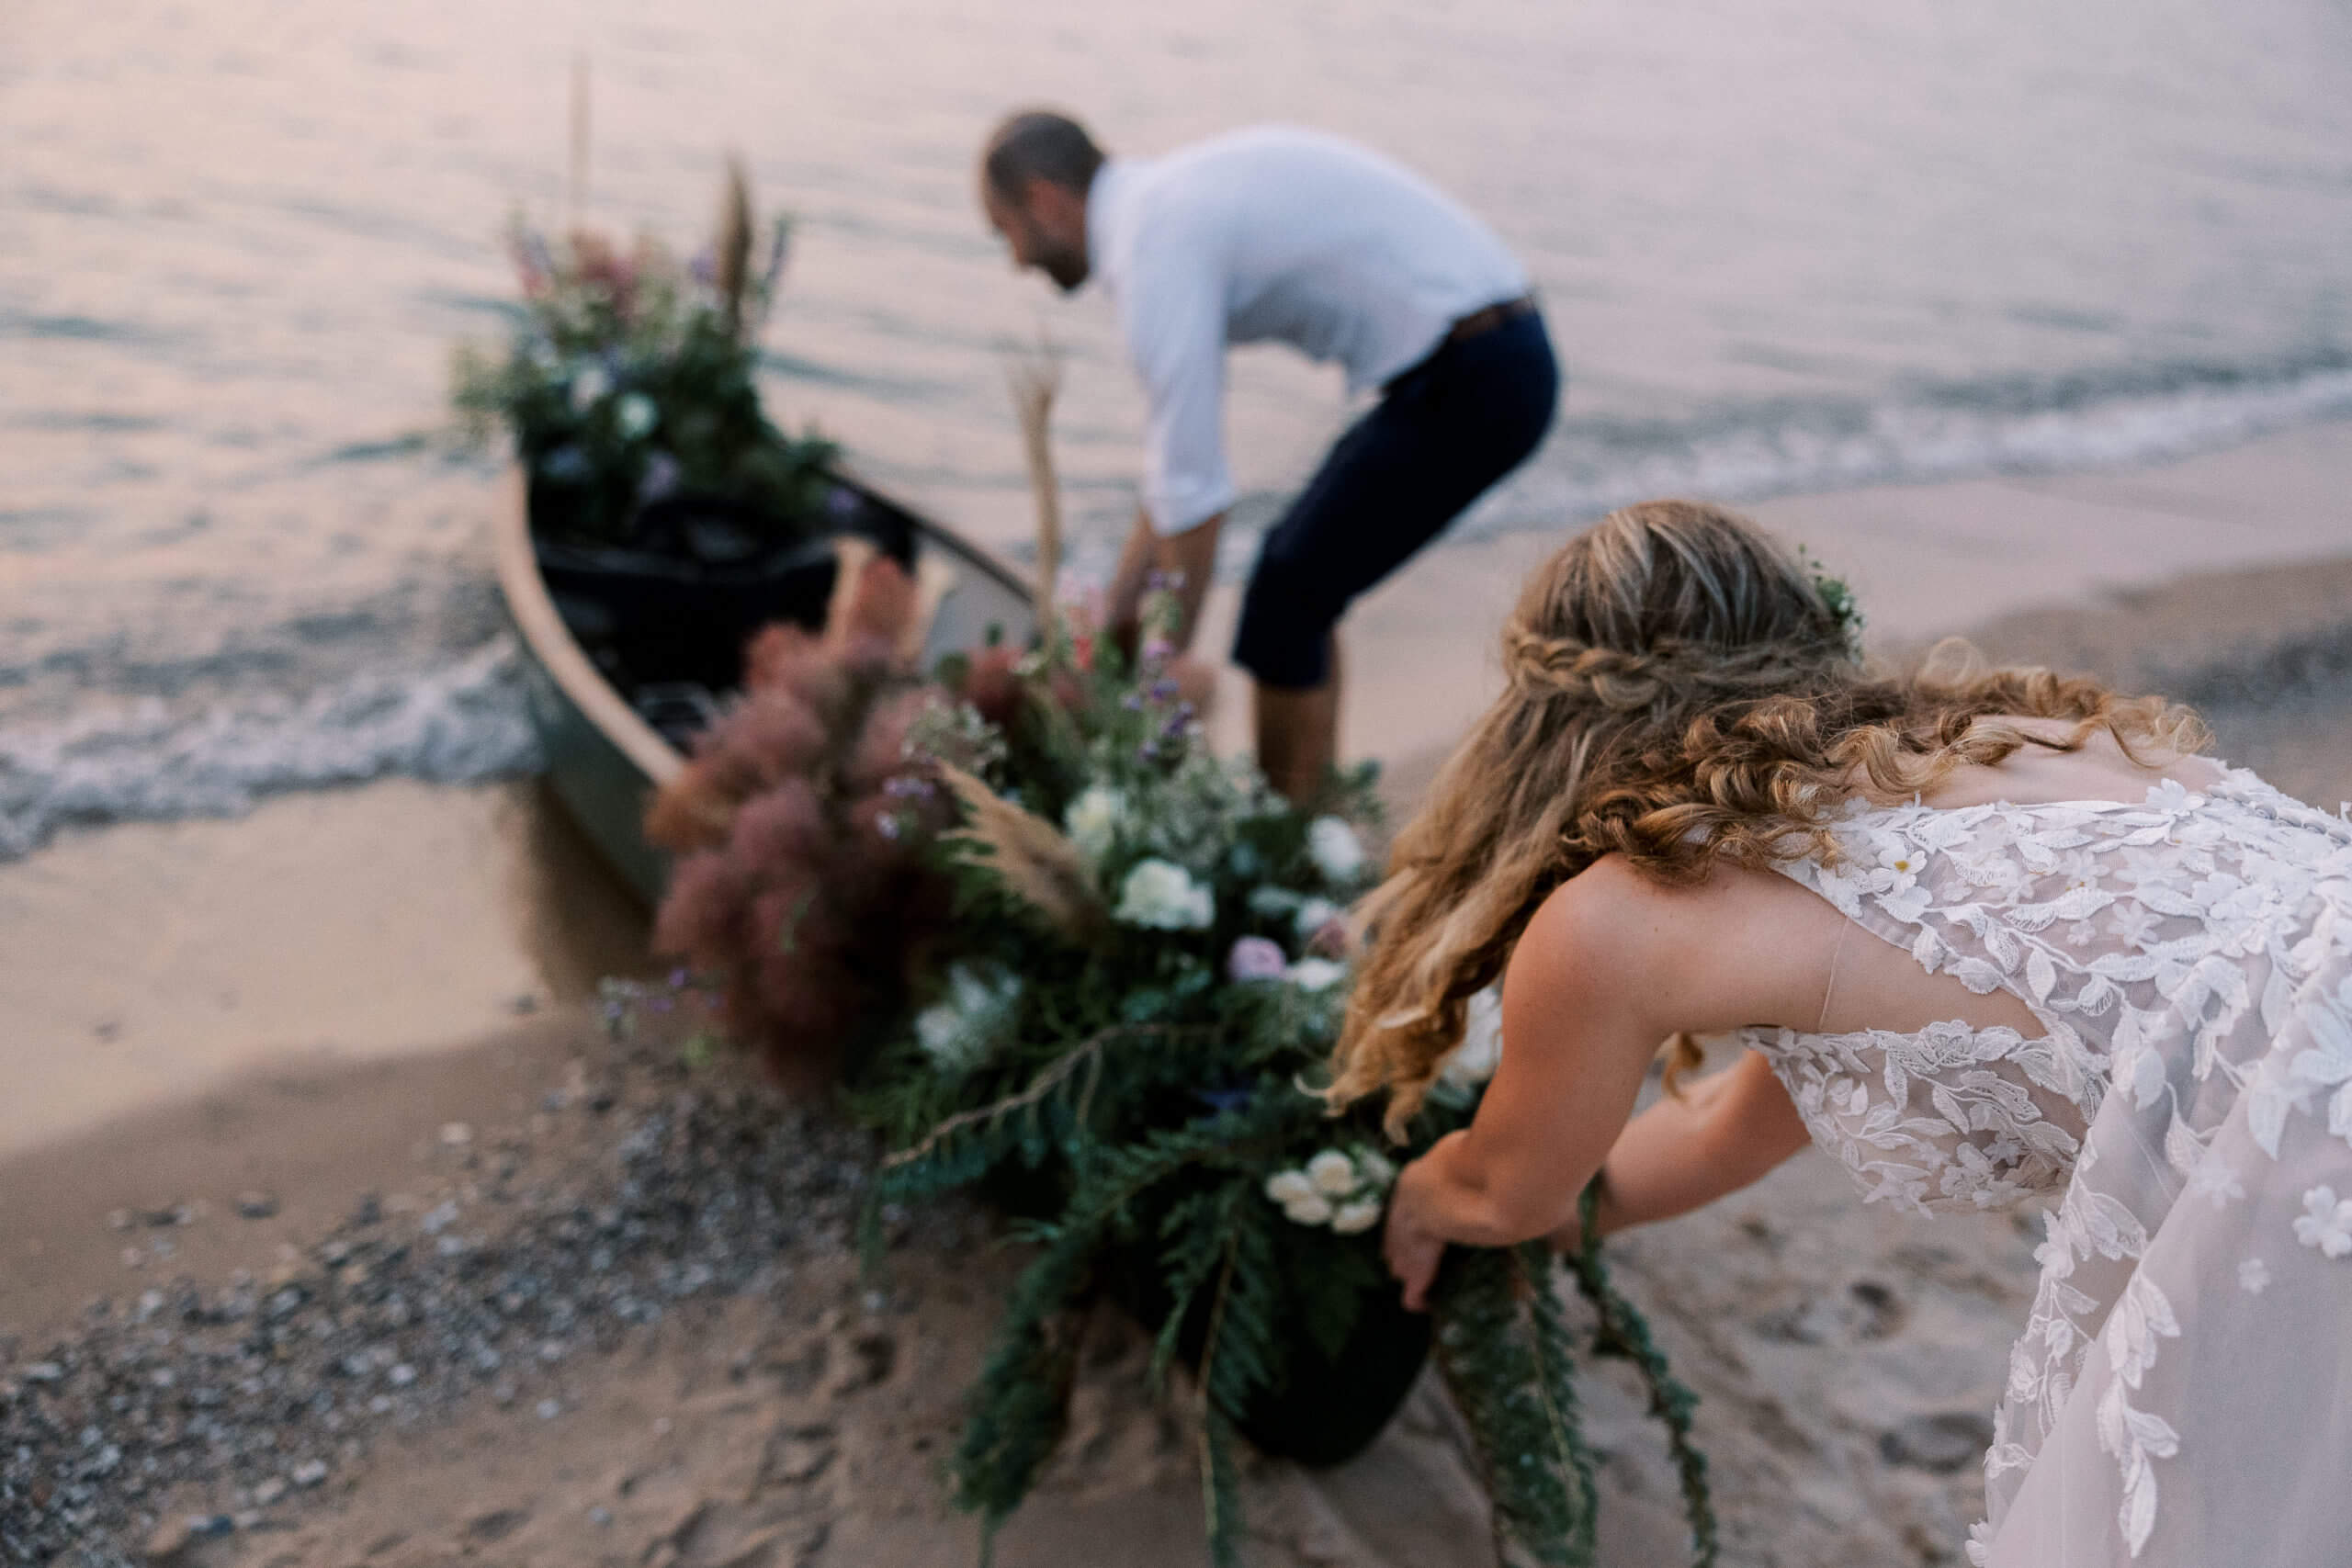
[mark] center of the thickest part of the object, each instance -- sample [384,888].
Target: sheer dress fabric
[2182,1391]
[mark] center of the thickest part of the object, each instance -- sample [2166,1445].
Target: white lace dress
[2182,1392]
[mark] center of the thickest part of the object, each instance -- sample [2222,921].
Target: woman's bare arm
[1726,1130]
[1581,1026]
[1608,966]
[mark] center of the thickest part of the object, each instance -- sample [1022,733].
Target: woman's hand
[1413,1250]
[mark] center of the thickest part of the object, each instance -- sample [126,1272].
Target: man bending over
[1304,239]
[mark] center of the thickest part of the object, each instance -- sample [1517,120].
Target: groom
[1304,239]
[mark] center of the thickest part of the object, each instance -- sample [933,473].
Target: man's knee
[1285,635]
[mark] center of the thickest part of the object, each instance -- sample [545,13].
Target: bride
[2090,964]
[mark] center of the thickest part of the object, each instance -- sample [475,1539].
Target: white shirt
[1281,234]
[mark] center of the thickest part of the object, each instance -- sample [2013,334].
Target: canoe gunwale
[550,644]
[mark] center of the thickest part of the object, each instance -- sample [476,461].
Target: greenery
[1147,965]
[1057,954]
[629,379]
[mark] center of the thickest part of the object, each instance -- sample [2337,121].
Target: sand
[318,1013]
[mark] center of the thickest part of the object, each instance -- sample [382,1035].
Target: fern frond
[1624,1332]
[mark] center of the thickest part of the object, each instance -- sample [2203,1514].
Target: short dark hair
[1038,144]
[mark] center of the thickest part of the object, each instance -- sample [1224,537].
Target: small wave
[2059,425]
[458,724]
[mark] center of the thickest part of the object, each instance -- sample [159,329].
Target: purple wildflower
[1256,958]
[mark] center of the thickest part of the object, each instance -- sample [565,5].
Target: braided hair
[1680,692]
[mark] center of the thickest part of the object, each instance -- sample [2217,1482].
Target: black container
[1327,1409]
[698,575]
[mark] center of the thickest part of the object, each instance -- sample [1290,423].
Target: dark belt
[1485,320]
[1490,318]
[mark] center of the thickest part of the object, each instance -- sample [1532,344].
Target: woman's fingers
[1413,1258]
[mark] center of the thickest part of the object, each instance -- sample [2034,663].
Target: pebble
[310,1473]
[169,1541]
[456,1134]
[549,1409]
[1940,1444]
[256,1205]
[269,1491]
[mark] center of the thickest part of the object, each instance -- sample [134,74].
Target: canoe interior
[611,734]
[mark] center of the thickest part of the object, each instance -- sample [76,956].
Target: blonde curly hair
[1683,693]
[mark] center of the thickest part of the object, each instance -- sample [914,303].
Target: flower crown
[1838,598]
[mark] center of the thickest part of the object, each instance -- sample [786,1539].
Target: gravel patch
[668,1186]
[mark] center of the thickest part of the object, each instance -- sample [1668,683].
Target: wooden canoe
[603,759]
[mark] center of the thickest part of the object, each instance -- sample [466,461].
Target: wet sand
[314,1015]
[142,962]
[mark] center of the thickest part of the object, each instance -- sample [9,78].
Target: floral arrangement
[798,889]
[1088,970]
[630,379]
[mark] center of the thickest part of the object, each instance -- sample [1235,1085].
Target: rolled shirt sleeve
[1174,321]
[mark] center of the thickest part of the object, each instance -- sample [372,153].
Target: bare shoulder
[1736,948]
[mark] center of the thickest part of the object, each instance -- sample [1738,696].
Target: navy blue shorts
[1439,438]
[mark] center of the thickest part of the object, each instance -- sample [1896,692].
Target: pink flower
[1330,939]
[1256,958]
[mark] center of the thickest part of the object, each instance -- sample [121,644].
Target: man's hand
[1190,556]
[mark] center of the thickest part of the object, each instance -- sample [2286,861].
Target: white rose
[957,1031]
[1288,1186]
[1337,851]
[589,387]
[1316,974]
[636,414]
[1333,1173]
[1094,819]
[1377,1171]
[1309,1211]
[1360,1215]
[1314,915]
[1164,897]
[939,1030]
[1474,1061]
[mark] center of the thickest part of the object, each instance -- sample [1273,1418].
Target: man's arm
[1172,315]
[1191,555]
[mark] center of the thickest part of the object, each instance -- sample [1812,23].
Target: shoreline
[375,1093]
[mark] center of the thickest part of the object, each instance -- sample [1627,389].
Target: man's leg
[1390,484]
[1298,730]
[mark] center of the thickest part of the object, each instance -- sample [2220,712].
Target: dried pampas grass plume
[1035,376]
[1030,853]
[733,260]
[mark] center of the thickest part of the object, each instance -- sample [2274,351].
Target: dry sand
[371,1094]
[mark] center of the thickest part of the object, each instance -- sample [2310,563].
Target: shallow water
[1784,247]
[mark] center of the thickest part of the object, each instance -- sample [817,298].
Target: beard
[1064,264]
